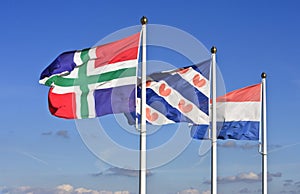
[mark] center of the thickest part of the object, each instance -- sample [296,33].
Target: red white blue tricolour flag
[238,115]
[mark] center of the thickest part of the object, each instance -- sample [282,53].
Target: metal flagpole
[143,148]
[264,136]
[213,123]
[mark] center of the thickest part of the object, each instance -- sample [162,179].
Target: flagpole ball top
[144,20]
[263,75]
[213,50]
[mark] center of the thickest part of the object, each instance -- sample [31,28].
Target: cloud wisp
[59,133]
[122,172]
[249,177]
[47,133]
[233,144]
[34,158]
[63,133]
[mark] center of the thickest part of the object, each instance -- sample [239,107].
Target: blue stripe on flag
[64,62]
[238,130]
[161,105]
[115,100]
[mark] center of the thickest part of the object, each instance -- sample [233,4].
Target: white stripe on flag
[77,59]
[91,70]
[190,74]
[161,119]
[64,90]
[73,74]
[91,103]
[92,53]
[241,111]
[174,98]
[77,102]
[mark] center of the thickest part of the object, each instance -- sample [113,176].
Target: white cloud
[189,191]
[122,192]
[83,190]
[65,187]
[193,191]
[251,176]
[106,192]
[242,177]
[24,188]
[206,192]
[60,189]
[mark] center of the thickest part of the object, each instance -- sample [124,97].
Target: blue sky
[43,154]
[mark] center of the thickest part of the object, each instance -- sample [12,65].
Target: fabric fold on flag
[238,115]
[179,95]
[93,82]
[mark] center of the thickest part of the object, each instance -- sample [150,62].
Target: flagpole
[264,136]
[213,123]
[143,170]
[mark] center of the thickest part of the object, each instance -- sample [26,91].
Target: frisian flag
[179,95]
[93,82]
[238,115]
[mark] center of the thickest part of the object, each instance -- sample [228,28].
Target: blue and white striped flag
[180,95]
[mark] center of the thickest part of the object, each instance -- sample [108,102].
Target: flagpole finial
[263,75]
[144,20]
[213,50]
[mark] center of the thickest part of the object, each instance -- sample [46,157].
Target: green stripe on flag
[84,55]
[82,78]
[108,76]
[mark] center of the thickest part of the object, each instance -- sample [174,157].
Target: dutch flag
[238,115]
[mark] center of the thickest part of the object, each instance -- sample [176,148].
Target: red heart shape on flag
[151,116]
[163,90]
[182,71]
[198,81]
[148,83]
[183,107]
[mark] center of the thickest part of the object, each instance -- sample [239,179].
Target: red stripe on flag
[246,94]
[62,105]
[121,50]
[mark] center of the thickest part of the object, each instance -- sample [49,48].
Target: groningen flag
[180,95]
[94,82]
[238,115]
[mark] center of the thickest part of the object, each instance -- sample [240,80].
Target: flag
[238,115]
[95,81]
[180,95]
